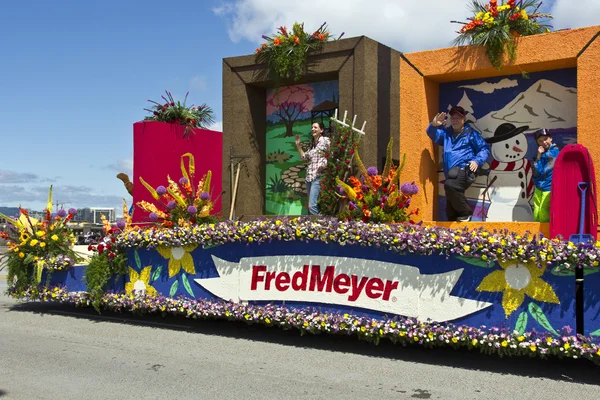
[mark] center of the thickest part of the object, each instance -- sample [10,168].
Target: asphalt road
[49,351]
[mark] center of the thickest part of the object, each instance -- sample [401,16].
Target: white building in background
[92,215]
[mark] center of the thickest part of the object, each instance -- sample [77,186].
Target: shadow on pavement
[569,370]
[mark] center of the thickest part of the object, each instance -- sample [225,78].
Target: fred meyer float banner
[342,281]
[361,280]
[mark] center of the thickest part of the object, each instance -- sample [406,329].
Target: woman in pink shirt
[316,164]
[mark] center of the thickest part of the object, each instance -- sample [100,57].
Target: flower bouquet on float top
[35,245]
[181,203]
[496,27]
[177,113]
[377,198]
[286,52]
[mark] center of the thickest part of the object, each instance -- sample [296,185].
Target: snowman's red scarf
[515,166]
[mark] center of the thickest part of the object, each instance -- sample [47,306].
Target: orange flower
[264,46]
[23,211]
[276,42]
[321,36]
[296,40]
[376,181]
[257,51]
[167,224]
[355,184]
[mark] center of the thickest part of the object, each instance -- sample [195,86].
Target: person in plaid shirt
[316,164]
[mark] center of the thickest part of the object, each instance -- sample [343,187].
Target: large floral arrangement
[399,330]
[286,52]
[497,26]
[181,203]
[35,245]
[108,260]
[175,112]
[344,142]
[375,197]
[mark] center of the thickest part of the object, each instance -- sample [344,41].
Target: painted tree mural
[290,103]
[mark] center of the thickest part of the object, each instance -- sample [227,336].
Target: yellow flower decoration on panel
[140,283]
[516,280]
[179,257]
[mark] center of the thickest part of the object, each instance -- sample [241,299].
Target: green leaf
[138,262]
[38,272]
[174,287]
[595,333]
[521,323]
[560,271]
[186,285]
[475,261]
[537,314]
[156,273]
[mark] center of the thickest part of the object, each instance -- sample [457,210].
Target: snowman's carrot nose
[518,150]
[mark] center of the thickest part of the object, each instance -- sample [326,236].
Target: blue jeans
[312,190]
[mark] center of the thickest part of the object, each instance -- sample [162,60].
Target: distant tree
[290,103]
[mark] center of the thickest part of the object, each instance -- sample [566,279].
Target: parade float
[216,234]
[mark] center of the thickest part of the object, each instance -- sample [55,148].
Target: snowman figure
[510,184]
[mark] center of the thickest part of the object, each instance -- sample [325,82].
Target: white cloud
[575,14]
[403,25]
[487,87]
[198,83]
[217,126]
[124,165]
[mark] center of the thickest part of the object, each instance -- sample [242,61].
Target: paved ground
[48,352]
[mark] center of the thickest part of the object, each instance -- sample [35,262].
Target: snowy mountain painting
[544,100]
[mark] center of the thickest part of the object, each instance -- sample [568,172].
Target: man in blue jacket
[465,151]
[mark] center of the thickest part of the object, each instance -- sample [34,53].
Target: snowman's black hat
[506,131]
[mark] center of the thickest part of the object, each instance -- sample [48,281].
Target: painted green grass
[284,203]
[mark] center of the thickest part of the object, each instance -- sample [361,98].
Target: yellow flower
[21,255]
[40,233]
[178,257]
[454,340]
[43,244]
[504,343]
[516,280]
[33,242]
[479,15]
[524,15]
[567,346]
[24,236]
[532,348]
[140,283]
[54,237]
[504,7]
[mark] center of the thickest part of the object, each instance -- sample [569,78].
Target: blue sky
[75,75]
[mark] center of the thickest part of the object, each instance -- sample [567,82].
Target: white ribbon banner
[374,285]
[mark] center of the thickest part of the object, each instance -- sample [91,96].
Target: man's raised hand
[438,120]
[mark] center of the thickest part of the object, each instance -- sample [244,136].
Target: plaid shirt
[316,159]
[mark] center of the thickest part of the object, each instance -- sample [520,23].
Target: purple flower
[409,189]
[192,210]
[161,190]
[121,224]
[153,216]
[204,196]
[364,188]
[73,211]
[351,206]
[171,204]
[183,181]
[61,213]
[372,171]
[341,190]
